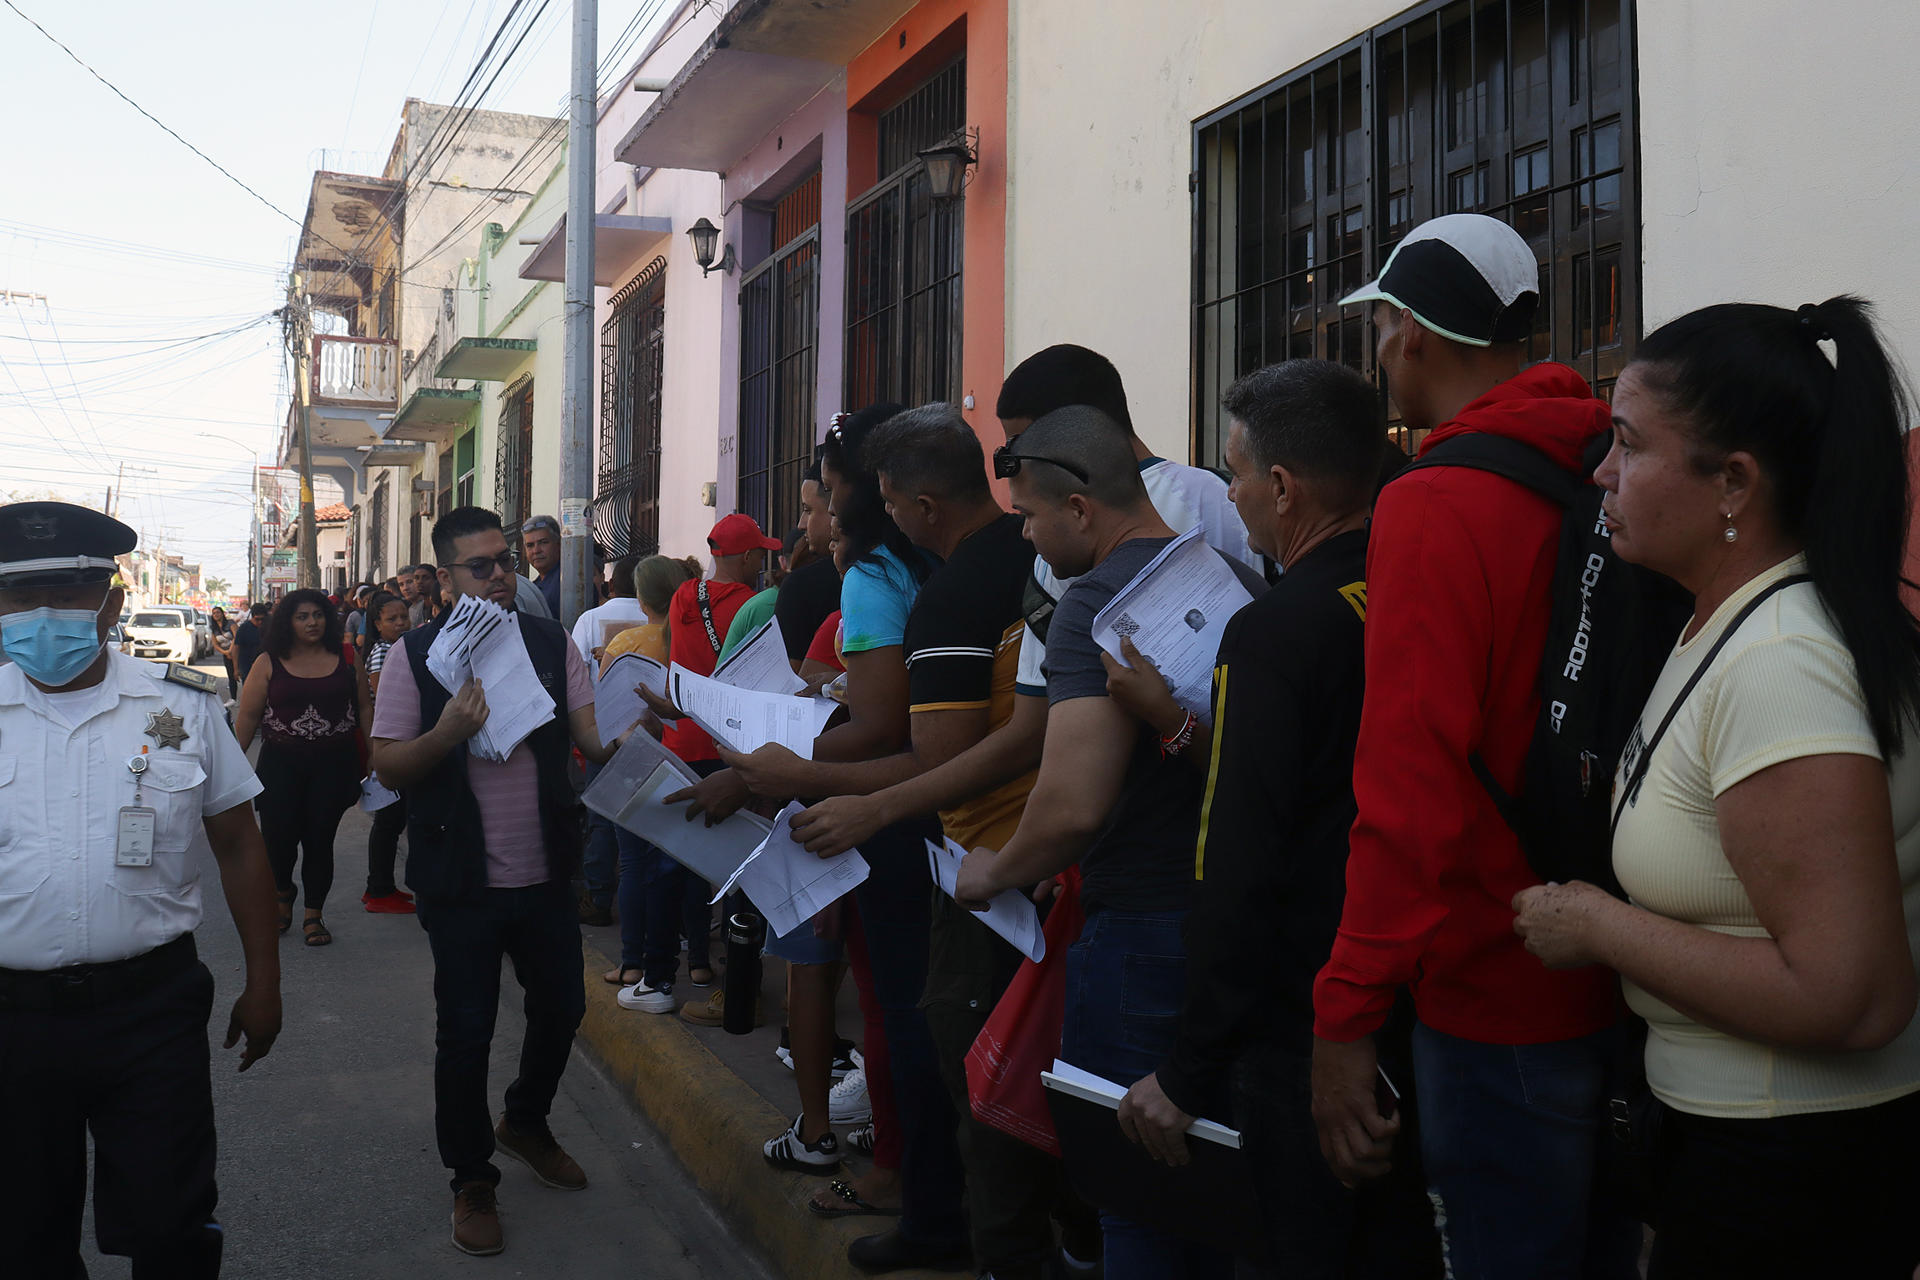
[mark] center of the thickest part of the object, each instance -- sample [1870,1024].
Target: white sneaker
[848,1103]
[788,1152]
[647,999]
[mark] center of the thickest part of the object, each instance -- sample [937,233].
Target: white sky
[88,380]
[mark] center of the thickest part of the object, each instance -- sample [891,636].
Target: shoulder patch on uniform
[1356,595]
[184,675]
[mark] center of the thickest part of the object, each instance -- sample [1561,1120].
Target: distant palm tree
[216,586]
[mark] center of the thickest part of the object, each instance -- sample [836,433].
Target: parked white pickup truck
[163,634]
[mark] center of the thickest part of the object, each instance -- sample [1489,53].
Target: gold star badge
[165,728]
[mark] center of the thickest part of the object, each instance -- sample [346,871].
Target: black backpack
[1611,629]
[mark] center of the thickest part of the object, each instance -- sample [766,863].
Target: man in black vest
[491,850]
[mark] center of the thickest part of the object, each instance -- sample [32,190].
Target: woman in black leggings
[308,700]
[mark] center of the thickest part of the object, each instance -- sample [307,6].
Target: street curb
[716,1124]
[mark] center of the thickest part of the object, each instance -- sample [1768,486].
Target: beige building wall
[1776,138]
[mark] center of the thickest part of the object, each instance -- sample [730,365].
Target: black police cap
[54,544]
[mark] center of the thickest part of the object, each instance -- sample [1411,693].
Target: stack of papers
[631,791]
[788,884]
[1069,1079]
[1175,611]
[375,797]
[1011,914]
[617,705]
[745,720]
[481,641]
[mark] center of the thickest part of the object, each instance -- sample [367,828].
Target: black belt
[88,986]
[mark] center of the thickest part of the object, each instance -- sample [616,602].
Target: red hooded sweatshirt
[1459,576]
[692,648]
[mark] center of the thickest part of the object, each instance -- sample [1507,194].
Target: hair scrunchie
[1810,321]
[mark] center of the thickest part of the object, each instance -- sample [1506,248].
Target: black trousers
[1828,1194]
[300,811]
[383,847]
[136,1073]
[538,929]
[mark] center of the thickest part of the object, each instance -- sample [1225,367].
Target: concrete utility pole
[302,355]
[576,403]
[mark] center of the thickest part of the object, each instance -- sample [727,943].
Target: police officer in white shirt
[118,779]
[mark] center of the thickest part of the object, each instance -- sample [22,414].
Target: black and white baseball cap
[1465,276]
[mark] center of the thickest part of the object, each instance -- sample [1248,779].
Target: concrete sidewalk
[716,1099]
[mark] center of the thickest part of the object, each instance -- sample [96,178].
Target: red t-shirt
[826,643]
[693,649]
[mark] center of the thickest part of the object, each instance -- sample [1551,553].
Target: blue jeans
[1125,979]
[597,859]
[538,929]
[1510,1136]
[652,894]
[895,904]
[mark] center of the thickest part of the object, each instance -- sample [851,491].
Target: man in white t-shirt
[592,629]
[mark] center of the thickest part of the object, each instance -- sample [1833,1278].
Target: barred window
[779,331]
[904,258]
[1522,109]
[626,501]
[377,517]
[513,459]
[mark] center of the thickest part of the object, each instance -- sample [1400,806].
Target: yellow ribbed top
[1784,687]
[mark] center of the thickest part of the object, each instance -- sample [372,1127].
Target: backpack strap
[706,615]
[1513,459]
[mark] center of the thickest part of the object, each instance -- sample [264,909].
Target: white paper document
[481,641]
[630,791]
[1011,914]
[375,797]
[617,705]
[745,720]
[788,885]
[1067,1078]
[1175,611]
[761,663]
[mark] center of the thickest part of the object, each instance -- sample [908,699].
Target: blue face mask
[53,646]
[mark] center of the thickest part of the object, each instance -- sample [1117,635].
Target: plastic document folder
[1209,1199]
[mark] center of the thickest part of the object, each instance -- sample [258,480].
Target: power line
[149,115]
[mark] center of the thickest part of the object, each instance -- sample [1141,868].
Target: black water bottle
[746,931]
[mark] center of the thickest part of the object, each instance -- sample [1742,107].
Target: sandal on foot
[286,909]
[849,1205]
[316,931]
[620,978]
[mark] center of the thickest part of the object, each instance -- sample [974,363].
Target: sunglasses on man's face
[484,567]
[1006,463]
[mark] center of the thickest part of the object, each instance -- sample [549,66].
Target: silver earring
[1732,534]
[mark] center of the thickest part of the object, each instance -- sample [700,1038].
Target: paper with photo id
[617,705]
[1011,914]
[631,790]
[787,884]
[1175,611]
[745,720]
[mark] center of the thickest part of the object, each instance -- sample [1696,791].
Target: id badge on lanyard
[133,845]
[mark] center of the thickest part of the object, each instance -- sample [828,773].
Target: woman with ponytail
[1767,808]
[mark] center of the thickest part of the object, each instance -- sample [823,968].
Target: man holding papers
[1112,793]
[1304,442]
[492,846]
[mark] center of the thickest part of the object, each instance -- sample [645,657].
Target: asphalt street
[327,1158]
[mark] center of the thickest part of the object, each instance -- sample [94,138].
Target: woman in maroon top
[308,701]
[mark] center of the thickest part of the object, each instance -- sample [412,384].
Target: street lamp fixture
[705,237]
[950,165]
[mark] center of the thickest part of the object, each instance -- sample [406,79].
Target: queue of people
[1314,909]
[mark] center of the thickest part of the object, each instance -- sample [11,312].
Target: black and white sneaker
[847,1058]
[788,1152]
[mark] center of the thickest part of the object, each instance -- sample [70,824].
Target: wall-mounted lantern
[706,237]
[950,165]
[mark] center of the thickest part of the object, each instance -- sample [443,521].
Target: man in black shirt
[247,640]
[1304,444]
[1112,794]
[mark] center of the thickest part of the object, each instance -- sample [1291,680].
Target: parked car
[163,634]
[117,637]
[202,634]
